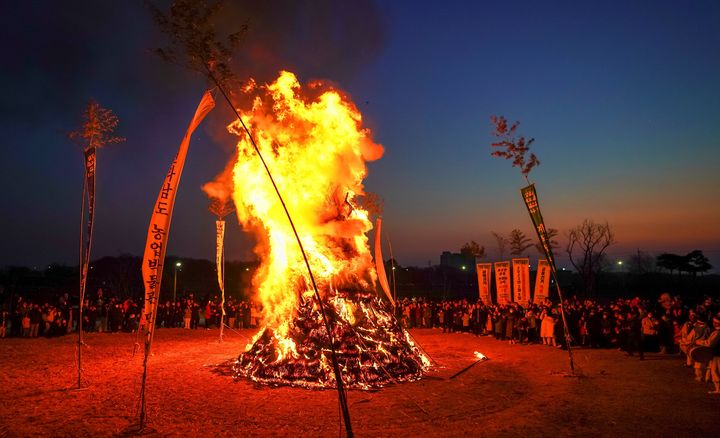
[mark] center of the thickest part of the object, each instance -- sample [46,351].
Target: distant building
[457,260]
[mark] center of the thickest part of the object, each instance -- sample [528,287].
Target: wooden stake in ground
[96,131]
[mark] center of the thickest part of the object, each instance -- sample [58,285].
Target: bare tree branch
[511,147]
[586,248]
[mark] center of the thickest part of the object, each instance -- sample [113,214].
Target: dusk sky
[622,97]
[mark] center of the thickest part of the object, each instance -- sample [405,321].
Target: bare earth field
[520,391]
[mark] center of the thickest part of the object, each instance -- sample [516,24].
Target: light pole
[177,265]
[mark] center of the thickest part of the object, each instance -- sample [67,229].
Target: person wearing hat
[713,342]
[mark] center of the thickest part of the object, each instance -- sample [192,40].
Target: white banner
[484,278]
[219,252]
[542,282]
[502,282]
[156,243]
[380,264]
[219,239]
[521,281]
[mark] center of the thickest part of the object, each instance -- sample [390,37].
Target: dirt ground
[519,391]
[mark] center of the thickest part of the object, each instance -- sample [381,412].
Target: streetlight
[177,265]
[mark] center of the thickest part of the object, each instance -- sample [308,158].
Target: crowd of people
[635,326]
[29,319]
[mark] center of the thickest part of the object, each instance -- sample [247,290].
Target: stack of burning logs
[372,349]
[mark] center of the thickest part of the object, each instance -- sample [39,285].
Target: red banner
[484,278]
[502,282]
[156,243]
[521,281]
[542,282]
[219,239]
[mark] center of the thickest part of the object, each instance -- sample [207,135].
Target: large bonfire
[314,143]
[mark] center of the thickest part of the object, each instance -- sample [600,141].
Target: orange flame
[313,141]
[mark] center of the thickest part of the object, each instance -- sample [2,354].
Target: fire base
[373,350]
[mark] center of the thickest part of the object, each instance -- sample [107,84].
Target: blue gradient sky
[623,99]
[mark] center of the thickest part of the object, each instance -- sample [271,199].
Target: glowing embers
[372,349]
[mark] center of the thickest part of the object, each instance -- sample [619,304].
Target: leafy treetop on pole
[97,128]
[220,208]
[189,24]
[511,147]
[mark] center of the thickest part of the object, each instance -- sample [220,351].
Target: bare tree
[586,247]
[519,242]
[641,263]
[501,242]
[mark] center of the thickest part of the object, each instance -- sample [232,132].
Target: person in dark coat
[633,327]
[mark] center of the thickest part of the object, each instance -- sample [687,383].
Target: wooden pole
[566,330]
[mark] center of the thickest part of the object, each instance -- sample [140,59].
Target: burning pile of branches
[312,242]
[373,350]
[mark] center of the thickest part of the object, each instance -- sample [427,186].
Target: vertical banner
[380,264]
[90,156]
[542,282]
[219,240]
[502,282]
[483,273]
[521,281]
[220,265]
[531,202]
[157,237]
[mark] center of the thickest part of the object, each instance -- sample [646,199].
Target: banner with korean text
[90,162]
[484,277]
[219,250]
[219,255]
[156,243]
[521,281]
[531,202]
[502,282]
[542,282]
